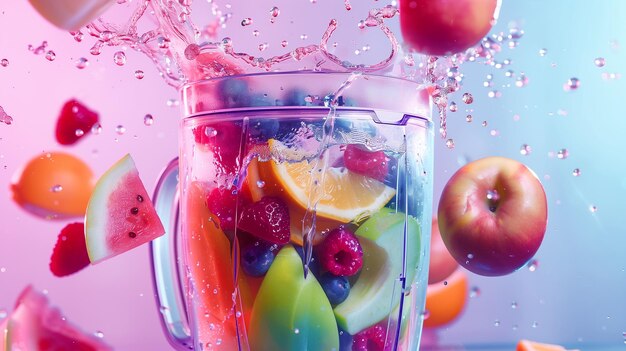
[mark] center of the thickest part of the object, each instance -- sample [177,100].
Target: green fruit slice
[377,291]
[292,313]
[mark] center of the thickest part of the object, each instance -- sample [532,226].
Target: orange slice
[343,196]
[446,300]
[527,345]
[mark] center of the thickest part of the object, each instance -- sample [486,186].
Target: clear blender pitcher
[298,211]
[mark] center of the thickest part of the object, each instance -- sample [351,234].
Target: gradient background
[575,296]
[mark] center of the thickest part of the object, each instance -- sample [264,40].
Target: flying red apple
[443,27]
[493,215]
[442,264]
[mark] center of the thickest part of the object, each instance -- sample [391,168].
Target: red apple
[443,27]
[493,215]
[442,264]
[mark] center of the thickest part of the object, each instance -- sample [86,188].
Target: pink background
[575,296]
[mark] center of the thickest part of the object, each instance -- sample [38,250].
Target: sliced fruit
[212,274]
[53,185]
[70,252]
[345,197]
[74,122]
[527,345]
[225,203]
[267,219]
[34,325]
[377,291]
[445,300]
[292,313]
[120,215]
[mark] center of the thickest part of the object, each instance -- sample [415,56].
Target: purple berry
[336,288]
[256,259]
[340,253]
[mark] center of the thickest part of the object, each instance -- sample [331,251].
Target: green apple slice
[291,313]
[377,291]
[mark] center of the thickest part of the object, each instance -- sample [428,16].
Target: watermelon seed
[139,198]
[132,234]
[134,210]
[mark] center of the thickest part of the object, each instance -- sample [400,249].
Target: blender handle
[165,275]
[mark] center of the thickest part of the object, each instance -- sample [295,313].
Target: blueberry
[345,340]
[234,93]
[256,259]
[313,264]
[336,287]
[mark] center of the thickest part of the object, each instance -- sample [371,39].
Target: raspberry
[371,339]
[224,204]
[224,140]
[267,219]
[70,252]
[373,164]
[75,120]
[340,253]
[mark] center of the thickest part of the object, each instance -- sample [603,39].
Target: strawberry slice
[70,252]
[267,219]
[74,122]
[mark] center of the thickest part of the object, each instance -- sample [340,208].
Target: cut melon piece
[120,215]
[35,325]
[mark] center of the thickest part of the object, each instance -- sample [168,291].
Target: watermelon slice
[120,215]
[35,325]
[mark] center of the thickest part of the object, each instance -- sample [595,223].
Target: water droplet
[525,150]
[361,24]
[79,132]
[576,172]
[303,36]
[3,269]
[284,43]
[484,124]
[119,58]
[96,129]
[99,334]
[543,52]
[4,62]
[492,195]
[274,12]
[468,98]
[562,154]
[593,208]
[533,265]
[56,188]
[514,327]
[263,46]
[599,62]
[521,81]
[238,314]
[514,305]
[246,21]
[192,51]
[81,63]
[453,107]
[139,74]
[148,120]
[496,323]
[469,118]
[51,55]
[509,73]
[172,103]
[3,314]
[535,324]
[572,84]
[474,292]
[163,309]
[163,43]
[120,129]
[450,143]
[260,183]
[296,331]
[494,132]
[255,33]
[494,94]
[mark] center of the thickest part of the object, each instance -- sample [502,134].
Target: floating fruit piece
[442,264]
[34,325]
[340,253]
[377,291]
[267,219]
[345,196]
[74,122]
[120,215]
[374,164]
[527,345]
[53,185]
[210,250]
[225,203]
[224,140]
[446,300]
[70,252]
[292,313]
